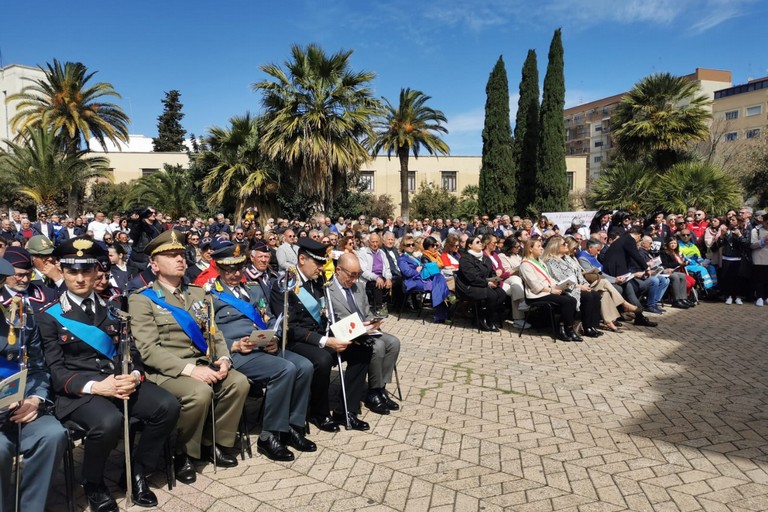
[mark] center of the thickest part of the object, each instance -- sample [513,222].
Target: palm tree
[39,167]
[317,119]
[65,102]
[170,191]
[695,183]
[409,127]
[237,172]
[623,186]
[660,118]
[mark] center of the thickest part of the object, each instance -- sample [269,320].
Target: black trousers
[567,306]
[357,358]
[590,309]
[376,296]
[102,418]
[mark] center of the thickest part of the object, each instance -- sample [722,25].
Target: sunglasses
[685,235]
[410,245]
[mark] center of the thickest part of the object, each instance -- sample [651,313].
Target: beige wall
[13,78]
[128,166]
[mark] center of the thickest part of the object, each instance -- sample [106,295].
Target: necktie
[179,297]
[351,301]
[88,308]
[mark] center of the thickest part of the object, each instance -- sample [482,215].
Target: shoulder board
[191,285]
[44,308]
[143,288]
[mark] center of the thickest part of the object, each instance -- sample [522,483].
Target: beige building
[13,78]
[740,113]
[136,159]
[588,126]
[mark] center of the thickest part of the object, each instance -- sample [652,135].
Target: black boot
[572,336]
[562,335]
[482,316]
[491,320]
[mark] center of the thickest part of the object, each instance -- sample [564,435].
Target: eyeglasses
[239,233]
[271,239]
[353,275]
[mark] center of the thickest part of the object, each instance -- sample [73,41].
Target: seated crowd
[217,308]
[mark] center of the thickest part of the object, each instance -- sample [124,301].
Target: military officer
[241,309]
[177,357]
[307,336]
[35,293]
[43,439]
[46,271]
[79,338]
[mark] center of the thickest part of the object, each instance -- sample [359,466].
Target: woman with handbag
[477,279]
[413,272]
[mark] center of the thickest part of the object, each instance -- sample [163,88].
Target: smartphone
[377,319]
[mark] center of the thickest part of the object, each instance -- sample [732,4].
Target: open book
[12,389]
[567,283]
[349,327]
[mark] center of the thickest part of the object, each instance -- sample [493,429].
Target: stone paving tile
[673,418]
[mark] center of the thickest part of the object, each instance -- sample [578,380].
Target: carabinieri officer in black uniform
[80,342]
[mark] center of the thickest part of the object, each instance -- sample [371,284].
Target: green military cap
[39,245]
[166,241]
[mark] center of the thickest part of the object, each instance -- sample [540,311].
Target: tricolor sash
[183,318]
[243,307]
[89,334]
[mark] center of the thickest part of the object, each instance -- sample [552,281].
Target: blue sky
[211,51]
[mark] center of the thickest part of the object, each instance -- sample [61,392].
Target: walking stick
[124,327]
[211,335]
[331,316]
[17,318]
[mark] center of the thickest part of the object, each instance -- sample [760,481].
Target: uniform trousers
[195,398]
[102,418]
[323,359]
[42,444]
[288,381]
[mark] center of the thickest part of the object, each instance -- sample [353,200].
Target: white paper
[568,282]
[12,389]
[261,338]
[349,328]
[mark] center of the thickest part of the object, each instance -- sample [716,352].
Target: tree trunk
[405,207]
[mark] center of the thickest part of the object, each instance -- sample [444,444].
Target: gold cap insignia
[82,245]
[237,251]
[174,240]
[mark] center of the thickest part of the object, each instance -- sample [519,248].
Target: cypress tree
[497,173]
[170,134]
[551,178]
[526,145]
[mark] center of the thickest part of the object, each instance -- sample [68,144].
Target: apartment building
[13,78]
[588,126]
[740,113]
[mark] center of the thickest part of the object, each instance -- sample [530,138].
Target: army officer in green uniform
[177,357]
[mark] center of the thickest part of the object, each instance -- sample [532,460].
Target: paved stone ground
[667,419]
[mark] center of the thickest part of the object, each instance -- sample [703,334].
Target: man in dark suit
[68,230]
[241,310]
[348,298]
[90,390]
[308,336]
[621,254]
[43,439]
[43,227]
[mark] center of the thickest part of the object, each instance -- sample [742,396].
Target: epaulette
[139,290]
[44,308]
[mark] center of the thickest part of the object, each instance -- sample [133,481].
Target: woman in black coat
[477,280]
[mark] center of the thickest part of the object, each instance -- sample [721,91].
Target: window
[598,143]
[598,128]
[448,180]
[731,115]
[367,181]
[411,181]
[149,172]
[753,133]
[569,174]
[755,110]
[597,159]
[731,136]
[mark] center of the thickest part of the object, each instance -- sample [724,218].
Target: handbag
[429,269]
[592,275]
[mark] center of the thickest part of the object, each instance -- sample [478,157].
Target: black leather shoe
[644,322]
[562,335]
[572,336]
[592,332]
[223,459]
[354,423]
[273,449]
[391,404]
[680,304]
[324,423]
[185,470]
[296,439]
[141,494]
[376,404]
[99,499]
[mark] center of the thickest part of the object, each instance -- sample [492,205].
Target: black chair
[419,298]
[550,307]
[466,303]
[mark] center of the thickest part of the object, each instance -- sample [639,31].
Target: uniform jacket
[37,295]
[234,324]
[165,348]
[38,379]
[302,328]
[72,362]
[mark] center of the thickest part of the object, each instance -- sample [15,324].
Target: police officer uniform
[35,294]
[170,355]
[287,376]
[79,358]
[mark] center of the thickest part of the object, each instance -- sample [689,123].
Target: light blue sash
[89,334]
[311,304]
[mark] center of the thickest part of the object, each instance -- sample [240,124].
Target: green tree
[411,126]
[695,183]
[551,177]
[468,204]
[660,119]
[497,171]
[525,147]
[433,201]
[109,197]
[356,202]
[171,191]
[623,186]
[65,102]
[317,119]
[237,173]
[170,134]
[39,168]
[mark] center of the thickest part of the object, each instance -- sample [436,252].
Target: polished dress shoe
[324,423]
[391,404]
[185,470]
[223,459]
[644,322]
[273,449]
[592,332]
[354,423]
[295,439]
[99,499]
[562,335]
[680,304]
[572,336]
[374,402]
[141,494]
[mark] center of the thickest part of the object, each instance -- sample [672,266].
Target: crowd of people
[218,307]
